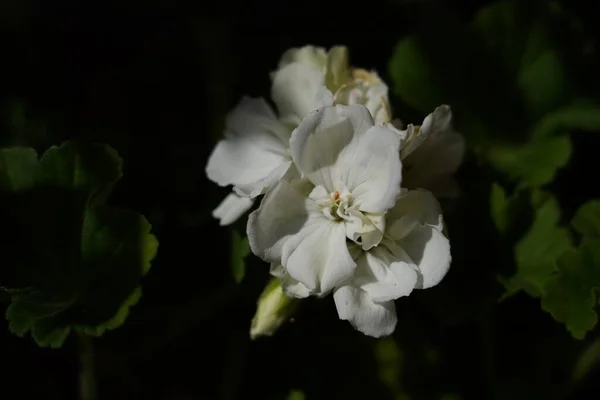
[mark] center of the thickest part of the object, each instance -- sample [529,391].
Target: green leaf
[239,251]
[586,221]
[76,261]
[532,164]
[570,296]
[504,209]
[414,81]
[543,84]
[537,252]
[577,116]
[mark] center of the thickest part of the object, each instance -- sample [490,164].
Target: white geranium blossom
[431,153]
[350,176]
[414,254]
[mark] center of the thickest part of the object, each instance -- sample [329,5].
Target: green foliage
[586,221]
[514,45]
[501,35]
[570,295]
[537,252]
[532,164]
[73,262]
[504,209]
[551,267]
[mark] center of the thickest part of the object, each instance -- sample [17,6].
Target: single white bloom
[431,154]
[351,176]
[414,253]
[252,156]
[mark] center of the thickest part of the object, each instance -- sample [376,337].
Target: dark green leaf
[532,164]
[504,209]
[537,252]
[587,219]
[76,261]
[577,116]
[570,296]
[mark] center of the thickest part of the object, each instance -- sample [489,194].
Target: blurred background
[154,80]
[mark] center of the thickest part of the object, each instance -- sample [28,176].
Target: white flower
[351,176]
[253,155]
[414,253]
[431,154]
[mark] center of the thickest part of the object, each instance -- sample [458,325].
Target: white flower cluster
[349,202]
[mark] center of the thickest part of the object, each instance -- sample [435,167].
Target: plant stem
[87,374]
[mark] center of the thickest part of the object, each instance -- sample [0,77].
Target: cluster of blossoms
[349,203]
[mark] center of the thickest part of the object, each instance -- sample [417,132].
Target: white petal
[365,229]
[370,318]
[252,156]
[385,276]
[293,288]
[373,94]
[282,213]
[290,286]
[259,186]
[438,156]
[324,98]
[231,208]
[256,114]
[430,250]
[309,55]
[295,89]
[339,146]
[413,208]
[318,255]
[277,270]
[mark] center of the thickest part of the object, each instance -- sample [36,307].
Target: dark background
[153,80]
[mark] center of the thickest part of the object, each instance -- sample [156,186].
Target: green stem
[87,374]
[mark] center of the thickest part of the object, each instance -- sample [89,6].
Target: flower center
[335,207]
